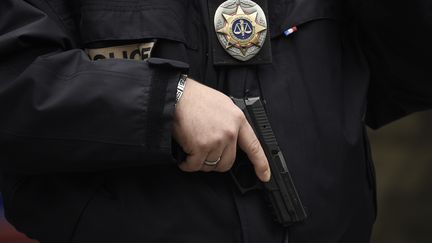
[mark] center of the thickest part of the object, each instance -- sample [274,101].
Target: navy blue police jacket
[86,152]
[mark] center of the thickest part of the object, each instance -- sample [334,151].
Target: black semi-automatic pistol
[280,190]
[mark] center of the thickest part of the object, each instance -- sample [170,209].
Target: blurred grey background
[402,154]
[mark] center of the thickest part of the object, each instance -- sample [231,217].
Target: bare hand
[208,126]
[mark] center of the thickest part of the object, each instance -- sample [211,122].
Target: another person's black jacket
[86,147]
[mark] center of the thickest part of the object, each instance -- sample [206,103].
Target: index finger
[250,144]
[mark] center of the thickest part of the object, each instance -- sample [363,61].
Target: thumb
[250,144]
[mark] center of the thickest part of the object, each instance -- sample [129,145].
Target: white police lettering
[141,51]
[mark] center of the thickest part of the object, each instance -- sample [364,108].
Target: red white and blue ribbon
[290,31]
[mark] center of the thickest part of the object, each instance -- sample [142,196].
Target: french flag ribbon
[290,31]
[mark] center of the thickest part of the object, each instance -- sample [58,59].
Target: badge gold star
[237,30]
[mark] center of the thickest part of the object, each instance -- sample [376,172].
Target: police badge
[241,28]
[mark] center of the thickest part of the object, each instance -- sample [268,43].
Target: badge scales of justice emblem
[241,28]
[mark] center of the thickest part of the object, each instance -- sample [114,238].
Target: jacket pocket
[110,21]
[290,13]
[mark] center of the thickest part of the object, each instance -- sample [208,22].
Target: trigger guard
[243,174]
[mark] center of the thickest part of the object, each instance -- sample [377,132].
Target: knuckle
[255,147]
[186,168]
[238,114]
[232,161]
[204,145]
[230,134]
[183,168]
[224,167]
[219,140]
[196,167]
[192,165]
[207,169]
[212,142]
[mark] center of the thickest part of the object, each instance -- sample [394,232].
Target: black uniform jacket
[86,147]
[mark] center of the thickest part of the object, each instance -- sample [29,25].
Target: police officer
[90,125]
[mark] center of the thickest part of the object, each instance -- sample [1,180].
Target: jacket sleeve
[397,37]
[60,111]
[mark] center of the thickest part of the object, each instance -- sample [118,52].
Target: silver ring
[212,163]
